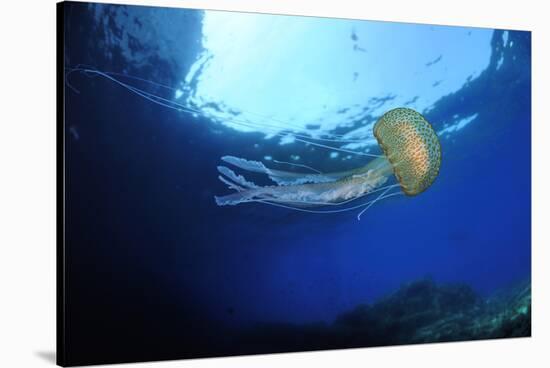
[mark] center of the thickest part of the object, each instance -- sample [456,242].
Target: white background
[27,183]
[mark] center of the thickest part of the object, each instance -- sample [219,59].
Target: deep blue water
[151,256]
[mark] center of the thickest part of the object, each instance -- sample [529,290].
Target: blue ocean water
[149,247]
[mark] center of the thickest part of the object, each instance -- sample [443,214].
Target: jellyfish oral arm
[281,177]
[314,194]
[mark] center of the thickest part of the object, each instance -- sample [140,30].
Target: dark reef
[419,312]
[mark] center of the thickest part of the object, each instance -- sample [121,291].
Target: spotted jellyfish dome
[412,148]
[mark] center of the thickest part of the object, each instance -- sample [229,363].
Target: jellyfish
[412,154]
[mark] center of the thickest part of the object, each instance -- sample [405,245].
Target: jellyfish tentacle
[298,165]
[339,149]
[373,202]
[90,71]
[161,101]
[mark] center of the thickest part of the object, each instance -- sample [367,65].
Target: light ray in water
[183,108]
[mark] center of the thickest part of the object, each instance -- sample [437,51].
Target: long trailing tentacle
[185,108]
[238,182]
[373,202]
[297,165]
[90,71]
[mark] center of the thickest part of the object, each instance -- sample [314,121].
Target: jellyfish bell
[412,153]
[411,146]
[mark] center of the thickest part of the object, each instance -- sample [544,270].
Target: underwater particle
[268,158]
[178,93]
[287,139]
[295,157]
[435,61]
[230,311]
[74,132]
[411,101]
[334,154]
